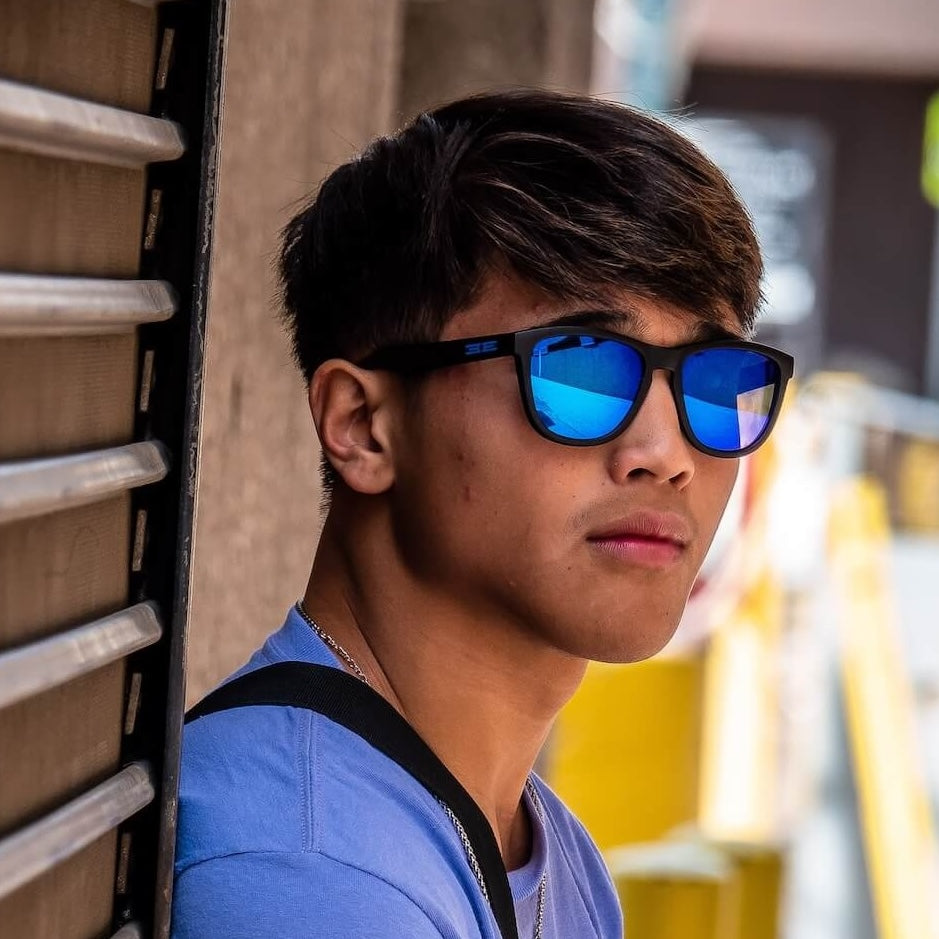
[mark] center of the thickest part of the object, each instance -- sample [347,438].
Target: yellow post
[739,784]
[676,890]
[624,753]
[760,874]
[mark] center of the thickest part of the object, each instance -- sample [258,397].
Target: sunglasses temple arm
[432,355]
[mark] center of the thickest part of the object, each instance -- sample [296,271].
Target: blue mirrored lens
[729,396]
[583,387]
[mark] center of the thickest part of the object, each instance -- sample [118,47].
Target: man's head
[487,216]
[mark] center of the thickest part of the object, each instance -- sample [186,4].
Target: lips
[644,537]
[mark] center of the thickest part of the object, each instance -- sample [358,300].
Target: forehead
[506,303]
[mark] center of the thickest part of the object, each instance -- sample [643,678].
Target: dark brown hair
[577,195]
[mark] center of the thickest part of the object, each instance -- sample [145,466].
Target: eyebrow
[702,331]
[602,318]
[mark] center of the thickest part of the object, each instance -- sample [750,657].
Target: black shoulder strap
[347,701]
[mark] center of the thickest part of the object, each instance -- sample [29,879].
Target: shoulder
[282,793]
[245,772]
[584,862]
[243,784]
[292,894]
[266,778]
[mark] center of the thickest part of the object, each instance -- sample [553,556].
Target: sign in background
[781,169]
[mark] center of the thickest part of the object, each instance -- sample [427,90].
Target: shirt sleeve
[272,895]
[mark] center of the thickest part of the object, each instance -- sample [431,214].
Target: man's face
[593,549]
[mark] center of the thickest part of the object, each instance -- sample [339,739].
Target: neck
[480,689]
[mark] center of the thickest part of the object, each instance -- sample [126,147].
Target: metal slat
[39,847]
[130,931]
[33,305]
[39,666]
[38,487]
[52,124]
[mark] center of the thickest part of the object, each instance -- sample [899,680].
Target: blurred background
[775,772]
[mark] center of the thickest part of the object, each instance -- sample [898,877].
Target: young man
[523,322]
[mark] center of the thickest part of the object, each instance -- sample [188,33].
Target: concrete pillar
[306,85]
[458,47]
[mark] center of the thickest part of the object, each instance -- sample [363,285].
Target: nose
[653,445]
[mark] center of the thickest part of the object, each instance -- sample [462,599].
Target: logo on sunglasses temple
[480,348]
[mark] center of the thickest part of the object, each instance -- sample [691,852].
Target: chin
[626,653]
[631,638]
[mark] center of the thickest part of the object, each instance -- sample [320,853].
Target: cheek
[474,428]
[715,480]
[450,458]
[484,481]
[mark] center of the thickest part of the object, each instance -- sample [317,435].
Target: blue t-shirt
[291,826]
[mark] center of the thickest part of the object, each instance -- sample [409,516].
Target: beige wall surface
[458,47]
[306,84]
[892,36]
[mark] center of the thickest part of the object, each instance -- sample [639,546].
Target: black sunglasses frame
[430,356]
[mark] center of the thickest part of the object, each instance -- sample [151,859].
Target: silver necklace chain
[338,649]
[458,826]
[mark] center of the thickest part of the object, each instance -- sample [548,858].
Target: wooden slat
[65,741]
[72,901]
[32,305]
[64,394]
[102,50]
[64,217]
[63,569]
[65,212]
[58,570]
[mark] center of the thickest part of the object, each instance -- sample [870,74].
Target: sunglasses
[583,387]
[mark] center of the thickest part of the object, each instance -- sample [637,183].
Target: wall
[307,84]
[458,47]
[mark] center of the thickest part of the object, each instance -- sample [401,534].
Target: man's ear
[353,410]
